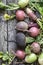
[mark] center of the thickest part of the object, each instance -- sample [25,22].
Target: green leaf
[1,54]
[40,24]
[29,39]
[13,5]
[41,41]
[5,57]
[27,49]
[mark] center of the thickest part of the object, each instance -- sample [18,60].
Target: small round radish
[35,47]
[34,31]
[20,15]
[20,54]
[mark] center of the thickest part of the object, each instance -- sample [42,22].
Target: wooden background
[10,35]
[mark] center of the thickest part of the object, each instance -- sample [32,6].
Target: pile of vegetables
[29,37]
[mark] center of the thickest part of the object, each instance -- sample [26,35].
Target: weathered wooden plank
[2,42]
[11,34]
[12,31]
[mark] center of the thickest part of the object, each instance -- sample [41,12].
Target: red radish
[20,15]
[19,53]
[35,47]
[34,31]
[31,14]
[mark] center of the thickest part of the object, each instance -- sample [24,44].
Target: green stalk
[40,24]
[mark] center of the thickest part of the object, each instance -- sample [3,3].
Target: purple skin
[35,47]
[34,31]
[31,14]
[31,24]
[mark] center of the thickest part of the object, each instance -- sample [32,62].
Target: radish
[20,15]
[34,31]
[35,47]
[20,54]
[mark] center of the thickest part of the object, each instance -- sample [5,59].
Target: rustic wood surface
[10,35]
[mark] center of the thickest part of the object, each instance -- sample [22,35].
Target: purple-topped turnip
[35,47]
[22,26]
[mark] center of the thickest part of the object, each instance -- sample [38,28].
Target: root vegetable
[40,59]
[34,31]
[20,15]
[34,17]
[30,58]
[23,3]
[31,14]
[20,54]
[22,26]
[35,47]
[20,40]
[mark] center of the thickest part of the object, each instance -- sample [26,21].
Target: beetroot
[34,31]
[35,47]
[20,15]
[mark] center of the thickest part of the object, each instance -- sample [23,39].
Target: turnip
[35,47]
[23,3]
[31,58]
[40,59]
[34,31]
[22,26]
[20,15]
[34,17]
[21,40]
